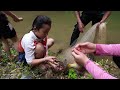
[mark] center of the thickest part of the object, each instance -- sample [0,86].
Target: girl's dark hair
[39,21]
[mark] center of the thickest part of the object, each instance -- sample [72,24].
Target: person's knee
[39,46]
[50,42]
[39,51]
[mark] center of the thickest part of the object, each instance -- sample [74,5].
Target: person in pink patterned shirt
[79,53]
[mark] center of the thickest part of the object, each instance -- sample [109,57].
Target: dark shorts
[86,17]
[21,57]
[95,17]
[6,29]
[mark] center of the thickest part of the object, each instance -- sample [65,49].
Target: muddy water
[63,24]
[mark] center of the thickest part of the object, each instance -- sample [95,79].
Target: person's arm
[30,57]
[96,71]
[105,16]
[92,68]
[80,24]
[36,62]
[111,49]
[15,18]
[77,13]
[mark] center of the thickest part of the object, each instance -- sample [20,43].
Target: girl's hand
[50,58]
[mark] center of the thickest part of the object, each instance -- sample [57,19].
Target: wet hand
[86,47]
[80,58]
[50,58]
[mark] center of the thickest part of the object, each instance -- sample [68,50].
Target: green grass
[13,70]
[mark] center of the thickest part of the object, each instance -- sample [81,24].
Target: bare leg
[15,42]
[6,46]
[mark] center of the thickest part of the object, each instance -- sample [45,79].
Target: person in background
[87,16]
[84,19]
[8,32]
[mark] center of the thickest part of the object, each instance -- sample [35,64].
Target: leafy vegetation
[12,69]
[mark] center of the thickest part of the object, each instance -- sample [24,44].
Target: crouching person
[34,45]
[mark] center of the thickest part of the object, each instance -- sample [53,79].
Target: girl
[33,46]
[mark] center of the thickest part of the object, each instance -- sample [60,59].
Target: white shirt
[27,43]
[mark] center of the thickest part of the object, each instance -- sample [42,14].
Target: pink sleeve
[96,71]
[111,49]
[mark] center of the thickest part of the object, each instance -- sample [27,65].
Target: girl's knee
[50,41]
[39,46]
[39,51]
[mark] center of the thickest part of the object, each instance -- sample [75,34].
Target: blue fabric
[21,57]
